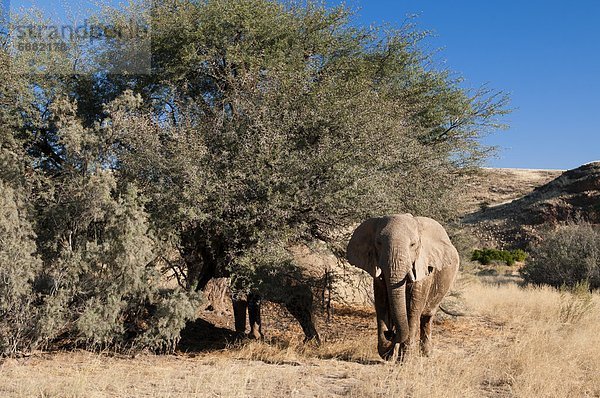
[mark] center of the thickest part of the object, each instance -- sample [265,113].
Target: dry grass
[516,341]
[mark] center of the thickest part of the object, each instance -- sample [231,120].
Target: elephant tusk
[412,275]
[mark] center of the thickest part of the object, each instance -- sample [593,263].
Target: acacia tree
[265,124]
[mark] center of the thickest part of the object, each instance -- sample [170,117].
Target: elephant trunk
[397,297]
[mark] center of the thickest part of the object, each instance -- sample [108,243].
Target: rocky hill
[494,186]
[573,195]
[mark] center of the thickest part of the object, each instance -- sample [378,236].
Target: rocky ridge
[573,196]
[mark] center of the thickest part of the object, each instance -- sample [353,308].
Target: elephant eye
[413,244]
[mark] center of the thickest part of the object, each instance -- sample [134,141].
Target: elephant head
[401,250]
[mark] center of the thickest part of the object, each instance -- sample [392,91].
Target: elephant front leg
[426,345]
[384,335]
[254,302]
[240,305]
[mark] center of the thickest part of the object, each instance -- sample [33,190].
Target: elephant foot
[426,348]
[239,336]
[314,339]
[385,350]
[395,352]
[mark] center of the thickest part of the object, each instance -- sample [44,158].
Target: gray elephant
[413,265]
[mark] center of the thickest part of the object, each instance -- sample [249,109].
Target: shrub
[105,289]
[575,302]
[18,262]
[518,255]
[568,255]
[487,256]
[18,266]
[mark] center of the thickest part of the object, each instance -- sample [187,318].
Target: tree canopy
[268,123]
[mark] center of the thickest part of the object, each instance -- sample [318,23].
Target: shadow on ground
[202,336]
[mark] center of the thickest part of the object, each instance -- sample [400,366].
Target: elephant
[204,263]
[298,300]
[413,265]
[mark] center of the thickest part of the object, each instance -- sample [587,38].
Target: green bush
[18,267]
[105,289]
[568,255]
[488,256]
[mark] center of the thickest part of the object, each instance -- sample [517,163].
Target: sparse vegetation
[488,256]
[576,303]
[567,255]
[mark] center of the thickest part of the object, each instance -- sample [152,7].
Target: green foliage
[18,268]
[568,255]
[99,285]
[272,124]
[488,256]
[519,255]
[105,288]
[19,263]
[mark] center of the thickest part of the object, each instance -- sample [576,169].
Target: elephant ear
[435,249]
[361,248]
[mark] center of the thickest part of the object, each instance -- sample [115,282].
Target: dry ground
[522,342]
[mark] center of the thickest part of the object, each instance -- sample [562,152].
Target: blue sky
[545,54]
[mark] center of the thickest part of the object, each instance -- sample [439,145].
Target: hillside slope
[573,195]
[493,186]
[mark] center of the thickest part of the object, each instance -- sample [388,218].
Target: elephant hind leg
[300,308]
[426,344]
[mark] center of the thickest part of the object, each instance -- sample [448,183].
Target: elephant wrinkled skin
[413,265]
